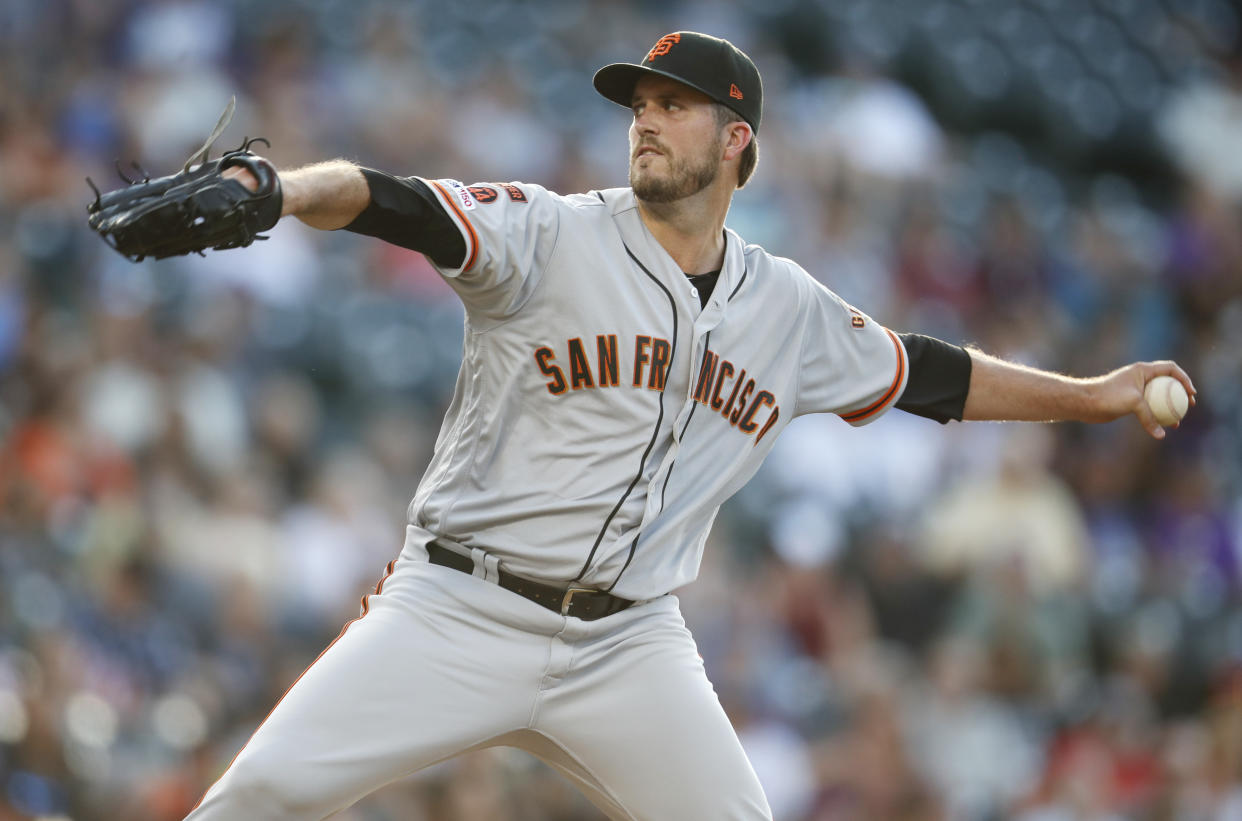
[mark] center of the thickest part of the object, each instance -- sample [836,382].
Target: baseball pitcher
[628,363]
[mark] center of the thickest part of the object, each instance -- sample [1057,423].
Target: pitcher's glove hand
[193,210]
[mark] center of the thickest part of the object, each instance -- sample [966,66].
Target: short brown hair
[750,154]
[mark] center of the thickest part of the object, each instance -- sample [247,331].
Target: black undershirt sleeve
[405,212]
[939,378]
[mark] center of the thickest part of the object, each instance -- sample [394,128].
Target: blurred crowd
[205,462]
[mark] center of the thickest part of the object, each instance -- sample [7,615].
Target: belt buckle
[569,596]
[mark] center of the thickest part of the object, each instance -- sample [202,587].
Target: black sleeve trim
[939,378]
[405,212]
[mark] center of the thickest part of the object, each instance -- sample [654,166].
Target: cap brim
[616,81]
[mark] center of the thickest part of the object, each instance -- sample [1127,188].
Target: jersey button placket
[687,408]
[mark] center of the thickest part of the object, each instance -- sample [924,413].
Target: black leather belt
[583,603]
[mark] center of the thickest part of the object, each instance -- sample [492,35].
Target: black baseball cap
[708,64]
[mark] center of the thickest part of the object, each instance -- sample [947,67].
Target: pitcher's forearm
[327,195]
[1001,390]
[1005,391]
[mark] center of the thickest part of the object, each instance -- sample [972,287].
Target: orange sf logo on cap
[663,45]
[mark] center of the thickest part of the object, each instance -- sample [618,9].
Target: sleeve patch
[483,194]
[515,194]
[462,194]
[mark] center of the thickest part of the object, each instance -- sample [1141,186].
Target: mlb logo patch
[464,198]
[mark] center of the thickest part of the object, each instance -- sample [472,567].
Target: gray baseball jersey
[601,415]
[600,418]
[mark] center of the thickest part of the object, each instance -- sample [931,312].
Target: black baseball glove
[193,210]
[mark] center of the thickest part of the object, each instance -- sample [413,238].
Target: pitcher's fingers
[1143,411]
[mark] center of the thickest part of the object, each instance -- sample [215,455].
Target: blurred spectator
[1202,123]
[974,751]
[1023,517]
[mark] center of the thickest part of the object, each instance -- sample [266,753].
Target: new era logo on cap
[708,64]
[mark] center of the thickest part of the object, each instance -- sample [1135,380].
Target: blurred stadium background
[205,462]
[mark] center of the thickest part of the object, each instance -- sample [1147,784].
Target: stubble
[685,177]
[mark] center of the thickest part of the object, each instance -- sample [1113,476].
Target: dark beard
[685,180]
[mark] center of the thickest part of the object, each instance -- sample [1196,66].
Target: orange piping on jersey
[890,394]
[474,238]
[379,587]
[365,609]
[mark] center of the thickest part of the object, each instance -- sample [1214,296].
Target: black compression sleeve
[405,212]
[939,378]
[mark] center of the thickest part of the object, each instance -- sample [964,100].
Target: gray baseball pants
[441,662]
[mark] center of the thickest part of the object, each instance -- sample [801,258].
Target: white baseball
[1167,399]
